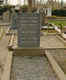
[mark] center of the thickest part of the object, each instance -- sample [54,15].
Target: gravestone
[28,26]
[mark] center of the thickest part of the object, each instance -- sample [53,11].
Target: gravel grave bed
[32,68]
[60,57]
[50,41]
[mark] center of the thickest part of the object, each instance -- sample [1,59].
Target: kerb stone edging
[60,74]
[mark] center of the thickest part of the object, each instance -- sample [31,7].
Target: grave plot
[50,42]
[32,68]
[4,54]
[60,57]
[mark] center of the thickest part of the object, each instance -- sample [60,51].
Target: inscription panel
[28,31]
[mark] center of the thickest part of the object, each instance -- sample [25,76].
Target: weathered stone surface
[32,68]
[28,30]
[60,56]
[6,16]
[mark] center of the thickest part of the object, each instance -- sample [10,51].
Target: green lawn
[57,22]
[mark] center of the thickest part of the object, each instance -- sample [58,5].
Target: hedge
[59,12]
[4,9]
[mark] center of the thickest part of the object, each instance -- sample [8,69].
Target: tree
[30,5]
[61,3]
[34,3]
[24,2]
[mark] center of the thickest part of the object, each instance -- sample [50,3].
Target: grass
[57,22]
[49,31]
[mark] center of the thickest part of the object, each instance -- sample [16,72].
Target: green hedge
[2,10]
[5,8]
[59,12]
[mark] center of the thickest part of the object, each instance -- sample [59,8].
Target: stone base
[28,52]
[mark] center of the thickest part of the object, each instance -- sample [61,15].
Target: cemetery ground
[22,72]
[49,65]
[39,67]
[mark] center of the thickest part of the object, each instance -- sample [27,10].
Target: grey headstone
[28,26]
